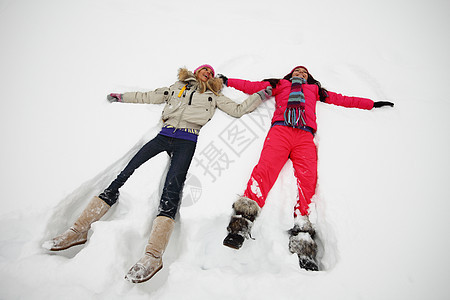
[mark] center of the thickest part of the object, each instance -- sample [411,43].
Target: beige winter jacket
[187,107]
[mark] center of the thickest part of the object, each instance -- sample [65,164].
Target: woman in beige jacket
[189,104]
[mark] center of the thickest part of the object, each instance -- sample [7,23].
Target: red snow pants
[283,143]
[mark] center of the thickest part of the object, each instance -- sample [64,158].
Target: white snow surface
[382,201]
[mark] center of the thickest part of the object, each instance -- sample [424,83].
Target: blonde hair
[214,85]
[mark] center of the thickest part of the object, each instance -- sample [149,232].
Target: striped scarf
[294,115]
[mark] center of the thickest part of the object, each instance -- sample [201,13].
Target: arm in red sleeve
[248,87]
[347,101]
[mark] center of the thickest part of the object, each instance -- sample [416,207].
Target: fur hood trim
[214,84]
[185,75]
[247,207]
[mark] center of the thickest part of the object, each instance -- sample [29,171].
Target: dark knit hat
[300,67]
[290,74]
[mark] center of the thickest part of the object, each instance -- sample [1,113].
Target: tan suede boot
[77,234]
[151,263]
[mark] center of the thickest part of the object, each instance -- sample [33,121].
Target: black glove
[273,81]
[383,103]
[224,78]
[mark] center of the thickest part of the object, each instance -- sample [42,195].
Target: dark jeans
[180,152]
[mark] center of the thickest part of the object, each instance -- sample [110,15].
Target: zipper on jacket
[190,98]
[188,87]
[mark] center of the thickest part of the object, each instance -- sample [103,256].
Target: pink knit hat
[205,66]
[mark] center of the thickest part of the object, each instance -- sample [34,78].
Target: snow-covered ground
[382,201]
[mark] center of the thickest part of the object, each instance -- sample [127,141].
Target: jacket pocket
[173,105]
[201,108]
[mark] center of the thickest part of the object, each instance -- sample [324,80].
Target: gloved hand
[382,103]
[224,78]
[114,97]
[266,93]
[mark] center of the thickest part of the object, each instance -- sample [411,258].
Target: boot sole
[144,279]
[234,241]
[308,264]
[233,246]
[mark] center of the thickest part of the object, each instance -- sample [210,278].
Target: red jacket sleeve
[248,87]
[347,101]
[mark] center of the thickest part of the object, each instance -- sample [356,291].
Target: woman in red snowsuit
[290,137]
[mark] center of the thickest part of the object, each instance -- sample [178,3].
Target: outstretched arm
[347,101]
[154,97]
[248,87]
[358,102]
[238,110]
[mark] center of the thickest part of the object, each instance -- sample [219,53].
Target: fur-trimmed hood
[214,84]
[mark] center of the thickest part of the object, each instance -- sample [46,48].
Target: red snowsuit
[283,142]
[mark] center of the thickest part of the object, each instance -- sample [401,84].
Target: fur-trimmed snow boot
[301,242]
[245,212]
[151,262]
[78,232]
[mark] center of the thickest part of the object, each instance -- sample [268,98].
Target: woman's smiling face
[300,72]
[204,74]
